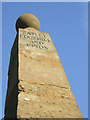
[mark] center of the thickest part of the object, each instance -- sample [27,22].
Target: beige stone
[37,84]
[28,20]
[44,89]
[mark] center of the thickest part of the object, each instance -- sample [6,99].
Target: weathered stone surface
[44,91]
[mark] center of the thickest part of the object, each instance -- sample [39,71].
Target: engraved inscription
[36,40]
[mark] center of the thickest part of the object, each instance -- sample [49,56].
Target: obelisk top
[28,20]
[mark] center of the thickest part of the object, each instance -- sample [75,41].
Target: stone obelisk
[37,84]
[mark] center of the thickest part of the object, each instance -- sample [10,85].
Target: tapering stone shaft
[44,91]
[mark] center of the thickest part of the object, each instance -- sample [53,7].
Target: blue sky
[67,25]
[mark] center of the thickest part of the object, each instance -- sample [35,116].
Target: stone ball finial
[28,20]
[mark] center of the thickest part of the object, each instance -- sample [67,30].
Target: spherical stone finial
[28,20]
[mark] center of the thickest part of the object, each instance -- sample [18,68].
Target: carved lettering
[37,40]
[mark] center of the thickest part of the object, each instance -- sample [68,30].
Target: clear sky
[67,25]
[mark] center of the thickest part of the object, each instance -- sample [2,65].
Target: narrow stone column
[37,84]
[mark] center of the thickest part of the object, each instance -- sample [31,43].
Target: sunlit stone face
[35,40]
[43,84]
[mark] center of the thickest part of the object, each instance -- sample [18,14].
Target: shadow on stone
[12,89]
